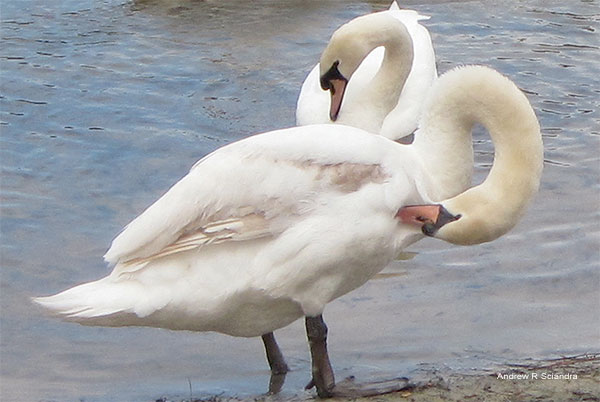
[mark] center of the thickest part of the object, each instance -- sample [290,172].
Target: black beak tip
[444,217]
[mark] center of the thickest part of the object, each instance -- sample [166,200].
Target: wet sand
[575,378]
[541,381]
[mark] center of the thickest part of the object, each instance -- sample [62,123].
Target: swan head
[339,61]
[468,227]
[428,218]
[351,44]
[334,82]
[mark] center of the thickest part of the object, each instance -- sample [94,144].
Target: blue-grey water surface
[106,103]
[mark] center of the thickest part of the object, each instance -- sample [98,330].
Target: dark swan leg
[322,373]
[277,363]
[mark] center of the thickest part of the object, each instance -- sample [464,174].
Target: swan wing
[253,188]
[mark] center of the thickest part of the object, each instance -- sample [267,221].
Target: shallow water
[105,104]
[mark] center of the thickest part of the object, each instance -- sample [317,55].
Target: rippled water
[106,103]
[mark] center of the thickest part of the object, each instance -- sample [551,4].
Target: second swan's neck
[385,88]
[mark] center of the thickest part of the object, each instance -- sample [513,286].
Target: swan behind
[388,72]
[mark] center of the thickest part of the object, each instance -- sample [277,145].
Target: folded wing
[251,189]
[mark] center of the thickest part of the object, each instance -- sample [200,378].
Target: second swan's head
[349,46]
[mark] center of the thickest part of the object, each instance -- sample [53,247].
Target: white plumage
[259,233]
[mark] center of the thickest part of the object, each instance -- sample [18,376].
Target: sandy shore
[574,378]
[567,379]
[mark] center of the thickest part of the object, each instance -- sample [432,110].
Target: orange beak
[337,90]
[335,82]
[430,218]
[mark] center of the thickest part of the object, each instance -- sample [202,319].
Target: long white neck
[447,149]
[404,118]
[476,94]
[385,88]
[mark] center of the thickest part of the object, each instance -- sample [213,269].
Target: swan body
[365,103]
[231,247]
[273,227]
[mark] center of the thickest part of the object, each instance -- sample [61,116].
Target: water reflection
[106,104]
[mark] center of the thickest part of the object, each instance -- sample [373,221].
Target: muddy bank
[574,378]
[566,379]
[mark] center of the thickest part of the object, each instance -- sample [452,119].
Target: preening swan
[271,228]
[377,93]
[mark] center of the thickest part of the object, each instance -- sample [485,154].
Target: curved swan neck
[448,154]
[470,95]
[353,42]
[387,84]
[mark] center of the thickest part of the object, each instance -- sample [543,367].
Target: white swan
[383,94]
[273,227]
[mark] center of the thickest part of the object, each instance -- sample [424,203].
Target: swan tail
[93,303]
